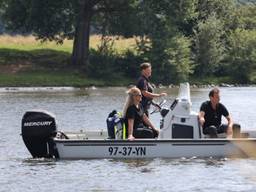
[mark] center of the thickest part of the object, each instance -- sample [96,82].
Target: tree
[180,57]
[222,9]
[156,24]
[242,55]
[209,46]
[244,17]
[56,20]
[161,22]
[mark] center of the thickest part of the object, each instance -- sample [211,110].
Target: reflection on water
[77,109]
[39,161]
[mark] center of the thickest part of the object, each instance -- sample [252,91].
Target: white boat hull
[175,148]
[180,135]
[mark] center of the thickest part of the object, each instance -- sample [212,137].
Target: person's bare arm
[230,126]
[201,118]
[130,129]
[152,95]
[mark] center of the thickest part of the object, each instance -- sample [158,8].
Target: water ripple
[88,108]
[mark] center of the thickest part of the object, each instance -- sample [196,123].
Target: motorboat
[180,136]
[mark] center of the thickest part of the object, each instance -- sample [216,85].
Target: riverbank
[20,75]
[55,79]
[43,68]
[29,75]
[25,62]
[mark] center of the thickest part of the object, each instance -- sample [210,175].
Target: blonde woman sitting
[139,126]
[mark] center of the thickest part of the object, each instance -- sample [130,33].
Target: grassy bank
[27,62]
[29,43]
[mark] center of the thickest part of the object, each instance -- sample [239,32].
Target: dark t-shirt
[144,85]
[137,114]
[213,117]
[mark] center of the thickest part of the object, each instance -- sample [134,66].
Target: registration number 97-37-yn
[127,151]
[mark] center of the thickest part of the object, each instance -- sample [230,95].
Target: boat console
[179,122]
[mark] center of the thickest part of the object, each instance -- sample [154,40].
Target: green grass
[47,79]
[29,43]
[210,80]
[27,62]
[36,78]
[36,57]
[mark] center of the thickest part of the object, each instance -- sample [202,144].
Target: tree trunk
[80,52]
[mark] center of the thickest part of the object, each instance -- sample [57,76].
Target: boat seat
[220,135]
[236,132]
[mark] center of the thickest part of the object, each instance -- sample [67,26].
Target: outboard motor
[38,130]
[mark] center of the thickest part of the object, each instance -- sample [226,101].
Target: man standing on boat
[210,116]
[146,88]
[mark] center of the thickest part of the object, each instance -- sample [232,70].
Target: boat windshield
[184,92]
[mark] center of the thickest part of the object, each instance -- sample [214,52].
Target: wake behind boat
[180,136]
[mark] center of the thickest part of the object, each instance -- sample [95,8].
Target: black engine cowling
[38,130]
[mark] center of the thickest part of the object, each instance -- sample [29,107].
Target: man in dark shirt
[210,116]
[146,88]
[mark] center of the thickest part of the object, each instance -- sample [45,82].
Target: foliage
[209,46]
[242,55]
[221,8]
[183,39]
[47,20]
[163,21]
[29,63]
[113,66]
[59,19]
[180,57]
[244,17]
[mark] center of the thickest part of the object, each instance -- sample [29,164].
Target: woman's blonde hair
[129,99]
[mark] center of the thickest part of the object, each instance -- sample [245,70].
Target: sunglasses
[138,95]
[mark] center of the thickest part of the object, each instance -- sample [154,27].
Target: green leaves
[52,20]
[208,45]
[242,55]
[180,57]
[181,38]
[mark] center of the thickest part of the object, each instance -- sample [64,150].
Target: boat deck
[86,135]
[102,134]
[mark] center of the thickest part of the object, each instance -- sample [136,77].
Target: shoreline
[72,88]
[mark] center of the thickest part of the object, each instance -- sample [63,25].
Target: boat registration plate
[127,151]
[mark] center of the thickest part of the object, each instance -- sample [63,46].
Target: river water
[80,109]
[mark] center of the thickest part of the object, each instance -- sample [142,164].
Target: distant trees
[167,25]
[56,20]
[242,55]
[208,45]
[1,23]
[1,27]
[180,57]
[181,38]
